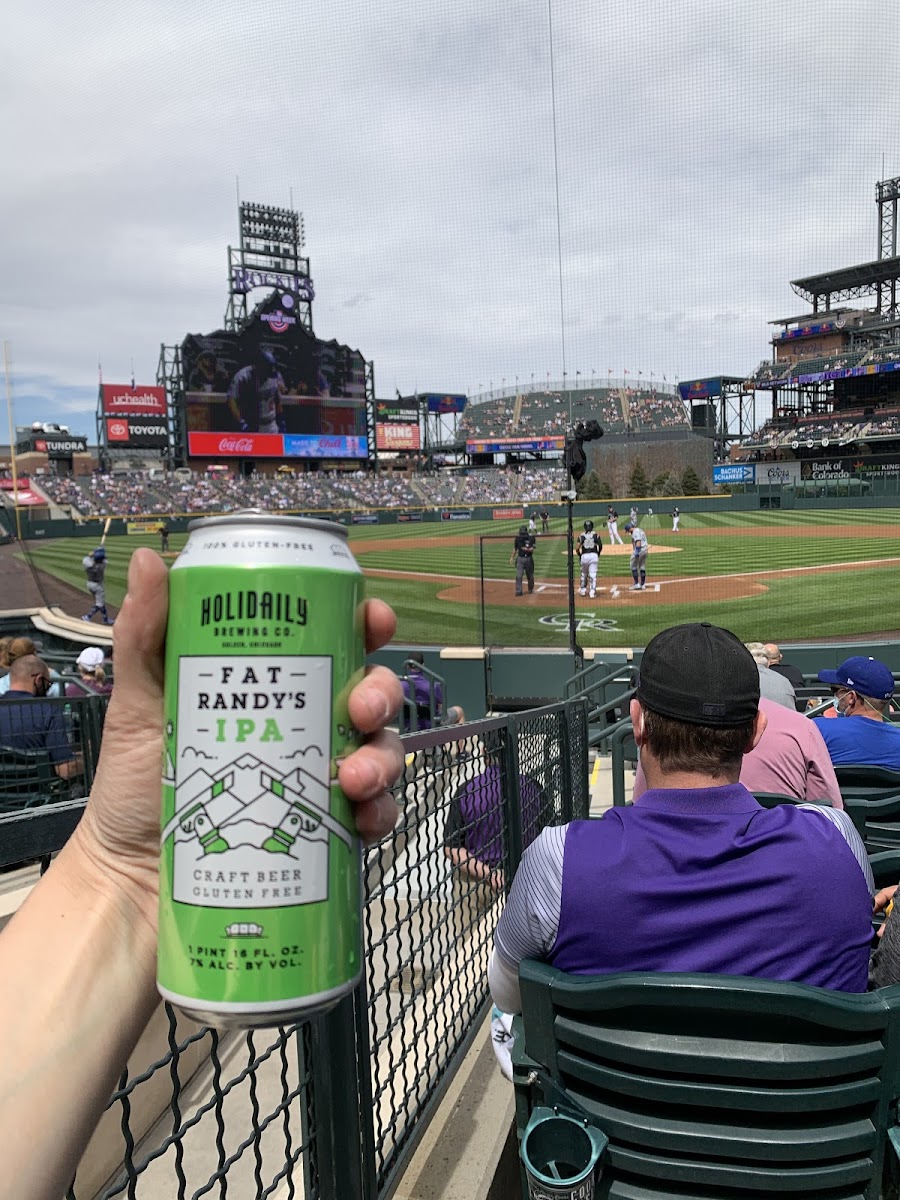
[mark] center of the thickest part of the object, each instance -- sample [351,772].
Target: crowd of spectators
[490,485]
[547,414]
[651,409]
[175,493]
[172,492]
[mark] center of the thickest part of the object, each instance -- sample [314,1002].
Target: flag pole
[12,442]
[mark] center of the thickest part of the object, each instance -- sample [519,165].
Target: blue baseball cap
[867,676]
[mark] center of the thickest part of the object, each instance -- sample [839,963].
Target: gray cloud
[708,152]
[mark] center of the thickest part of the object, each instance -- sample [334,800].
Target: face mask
[841,712]
[41,687]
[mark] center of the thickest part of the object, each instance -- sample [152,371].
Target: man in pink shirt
[790,760]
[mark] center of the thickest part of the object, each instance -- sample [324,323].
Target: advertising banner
[141,432]
[444,404]
[401,412]
[275,445]
[364,518]
[511,445]
[397,437]
[63,447]
[700,389]
[456,514]
[119,398]
[508,514]
[311,445]
[405,518]
[236,445]
[135,527]
[735,473]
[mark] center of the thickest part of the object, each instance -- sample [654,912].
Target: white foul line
[863,562]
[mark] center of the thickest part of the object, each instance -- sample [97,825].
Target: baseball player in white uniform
[612,526]
[589,547]
[676,517]
[639,550]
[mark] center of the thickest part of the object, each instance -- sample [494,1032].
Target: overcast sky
[709,151]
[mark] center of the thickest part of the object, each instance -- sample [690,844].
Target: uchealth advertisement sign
[121,398]
[508,514]
[143,433]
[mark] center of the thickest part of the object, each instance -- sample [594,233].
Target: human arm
[473,866]
[884,968]
[530,920]
[78,959]
[821,781]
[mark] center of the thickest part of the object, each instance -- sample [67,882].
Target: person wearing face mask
[29,722]
[862,690]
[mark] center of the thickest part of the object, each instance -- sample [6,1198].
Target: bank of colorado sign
[138,432]
[121,399]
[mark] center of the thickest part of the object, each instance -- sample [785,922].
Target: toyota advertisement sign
[122,399]
[142,433]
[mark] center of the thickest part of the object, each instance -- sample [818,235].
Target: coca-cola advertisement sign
[236,445]
[124,398]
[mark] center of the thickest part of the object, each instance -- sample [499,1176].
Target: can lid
[258,516]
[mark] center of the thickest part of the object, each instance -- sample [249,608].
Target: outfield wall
[454,517]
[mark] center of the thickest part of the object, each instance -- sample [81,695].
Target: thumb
[121,822]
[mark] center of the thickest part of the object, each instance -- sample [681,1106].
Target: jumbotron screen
[273,391]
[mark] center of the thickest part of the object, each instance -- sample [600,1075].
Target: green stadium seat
[715,1087]
[878,821]
[27,779]
[863,782]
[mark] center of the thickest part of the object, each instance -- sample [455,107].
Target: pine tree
[672,486]
[690,482]
[638,484]
[657,487]
[588,486]
[605,491]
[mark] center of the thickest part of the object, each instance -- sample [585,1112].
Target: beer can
[259,914]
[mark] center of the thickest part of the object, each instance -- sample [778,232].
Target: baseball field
[783,576]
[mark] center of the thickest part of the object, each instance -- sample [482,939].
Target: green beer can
[259,913]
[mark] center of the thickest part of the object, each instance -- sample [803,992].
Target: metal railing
[335,1107]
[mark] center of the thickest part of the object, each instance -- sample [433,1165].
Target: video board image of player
[253,383]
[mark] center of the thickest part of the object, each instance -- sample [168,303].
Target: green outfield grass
[808,605]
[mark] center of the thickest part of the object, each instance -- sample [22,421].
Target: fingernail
[368,775]
[379,709]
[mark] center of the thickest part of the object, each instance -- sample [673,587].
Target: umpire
[523,556]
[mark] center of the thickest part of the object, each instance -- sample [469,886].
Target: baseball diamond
[785,575]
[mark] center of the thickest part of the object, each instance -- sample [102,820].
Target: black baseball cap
[700,674]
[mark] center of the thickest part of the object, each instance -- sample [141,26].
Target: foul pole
[12,441]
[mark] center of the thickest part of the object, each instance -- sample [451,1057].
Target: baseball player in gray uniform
[95,570]
[639,550]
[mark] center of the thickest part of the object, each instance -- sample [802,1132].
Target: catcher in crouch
[588,550]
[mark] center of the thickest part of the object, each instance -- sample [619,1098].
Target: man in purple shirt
[427,695]
[695,876]
[473,835]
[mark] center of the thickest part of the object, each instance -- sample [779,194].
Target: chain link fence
[334,1107]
